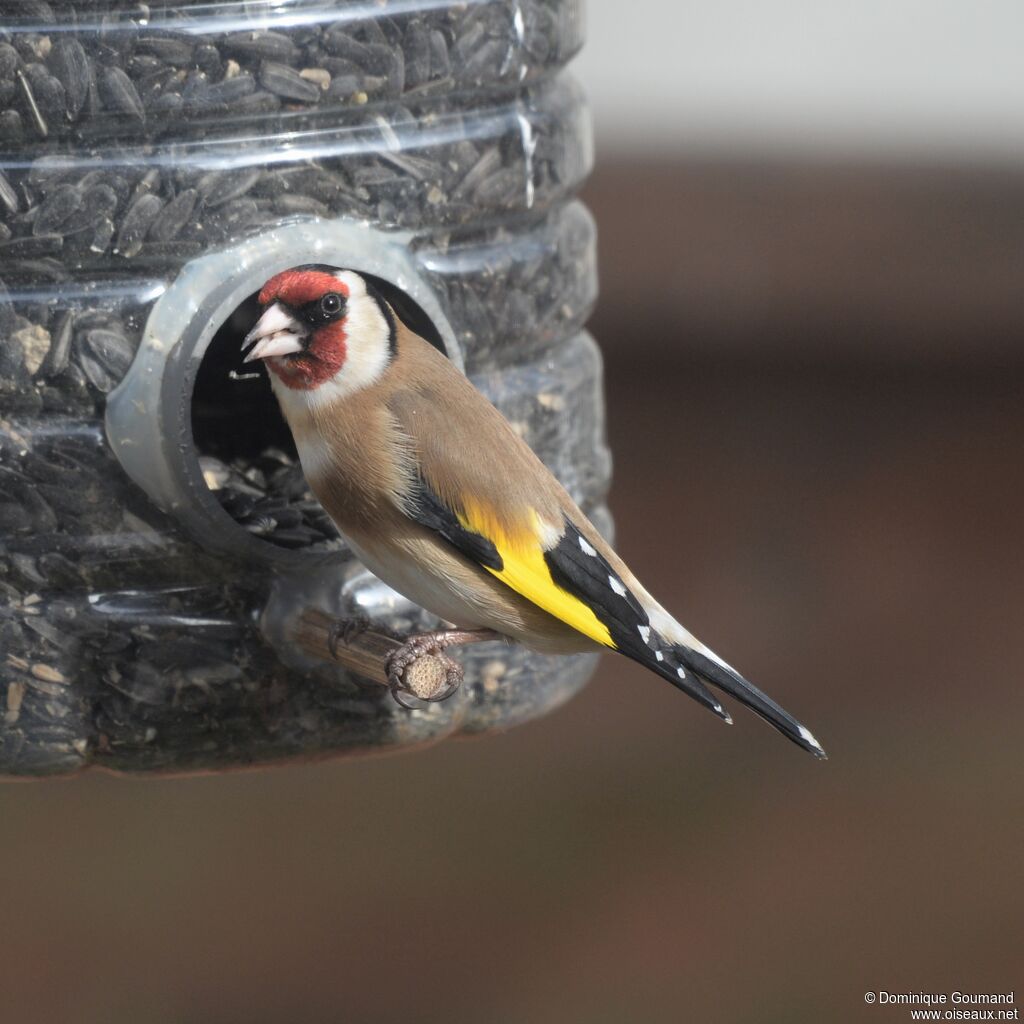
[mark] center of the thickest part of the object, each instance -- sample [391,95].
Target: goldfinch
[439,498]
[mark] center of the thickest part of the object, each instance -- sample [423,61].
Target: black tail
[732,683]
[689,670]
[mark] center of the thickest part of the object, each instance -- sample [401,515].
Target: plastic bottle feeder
[163,566]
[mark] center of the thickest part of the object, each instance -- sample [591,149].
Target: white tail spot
[616,586]
[645,633]
[587,549]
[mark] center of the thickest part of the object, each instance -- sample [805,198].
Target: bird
[441,499]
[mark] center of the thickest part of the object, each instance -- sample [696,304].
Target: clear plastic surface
[144,597]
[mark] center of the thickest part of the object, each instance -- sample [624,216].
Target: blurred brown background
[815,375]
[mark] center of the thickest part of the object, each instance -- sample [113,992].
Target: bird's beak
[276,333]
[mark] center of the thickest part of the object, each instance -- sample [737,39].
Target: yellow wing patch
[526,572]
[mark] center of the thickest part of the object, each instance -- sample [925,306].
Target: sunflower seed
[119,94]
[11,129]
[136,224]
[60,345]
[220,187]
[261,45]
[7,315]
[440,62]
[95,204]
[9,61]
[225,93]
[207,59]
[112,349]
[8,196]
[102,236]
[174,216]
[169,49]
[70,65]
[55,209]
[32,246]
[287,83]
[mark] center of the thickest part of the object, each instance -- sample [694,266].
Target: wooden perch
[365,651]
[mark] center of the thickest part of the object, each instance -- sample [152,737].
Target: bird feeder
[167,581]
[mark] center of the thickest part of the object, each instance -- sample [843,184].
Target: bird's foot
[420,668]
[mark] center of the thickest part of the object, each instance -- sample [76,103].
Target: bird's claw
[400,661]
[344,631]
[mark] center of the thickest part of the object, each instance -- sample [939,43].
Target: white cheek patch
[367,349]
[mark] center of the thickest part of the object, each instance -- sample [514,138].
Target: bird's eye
[330,303]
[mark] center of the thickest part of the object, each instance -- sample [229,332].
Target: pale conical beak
[277,333]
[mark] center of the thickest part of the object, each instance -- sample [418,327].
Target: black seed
[440,62]
[102,236]
[149,183]
[13,374]
[167,105]
[112,349]
[174,216]
[49,95]
[260,525]
[417,54]
[208,60]
[230,217]
[490,55]
[343,87]
[169,49]
[286,82]
[196,84]
[119,94]
[340,44]
[11,129]
[38,245]
[55,209]
[141,66]
[37,12]
[96,374]
[9,62]
[219,187]
[341,67]
[261,45]
[255,104]
[288,205]
[485,165]
[225,93]
[7,315]
[8,197]
[70,66]
[297,537]
[98,202]
[14,519]
[136,224]
[60,345]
